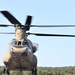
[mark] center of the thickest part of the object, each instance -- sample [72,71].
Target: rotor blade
[11,18]
[59,35]
[52,26]
[4,25]
[6,33]
[28,22]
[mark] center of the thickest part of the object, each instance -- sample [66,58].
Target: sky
[52,51]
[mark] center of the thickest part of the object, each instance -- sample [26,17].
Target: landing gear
[20,72]
[34,71]
[6,70]
[20,69]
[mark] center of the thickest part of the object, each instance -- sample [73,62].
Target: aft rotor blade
[52,26]
[6,33]
[58,35]
[28,22]
[4,25]
[10,17]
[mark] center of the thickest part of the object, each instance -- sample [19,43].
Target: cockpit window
[13,42]
[24,43]
[20,43]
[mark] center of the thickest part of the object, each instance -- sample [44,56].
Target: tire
[8,72]
[4,70]
[34,71]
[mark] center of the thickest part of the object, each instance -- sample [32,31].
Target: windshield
[13,42]
[20,43]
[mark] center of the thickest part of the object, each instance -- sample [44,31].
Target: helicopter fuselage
[21,52]
[20,56]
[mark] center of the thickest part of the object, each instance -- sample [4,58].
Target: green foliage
[46,71]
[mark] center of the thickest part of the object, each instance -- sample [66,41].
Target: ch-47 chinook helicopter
[21,55]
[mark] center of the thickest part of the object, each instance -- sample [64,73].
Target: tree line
[46,71]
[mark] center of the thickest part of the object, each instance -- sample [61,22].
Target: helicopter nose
[17,50]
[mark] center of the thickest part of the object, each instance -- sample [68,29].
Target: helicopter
[21,55]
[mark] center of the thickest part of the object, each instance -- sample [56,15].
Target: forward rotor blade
[58,35]
[28,22]
[52,26]
[11,18]
[6,33]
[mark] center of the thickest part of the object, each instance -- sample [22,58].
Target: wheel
[34,71]
[6,70]
[8,73]
[20,72]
